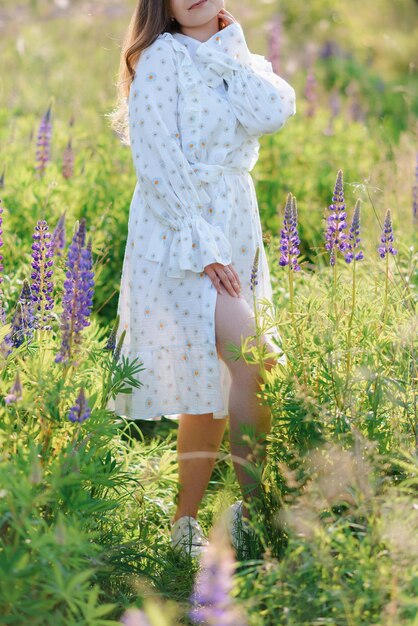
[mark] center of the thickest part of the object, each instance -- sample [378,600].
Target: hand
[225,274]
[226,18]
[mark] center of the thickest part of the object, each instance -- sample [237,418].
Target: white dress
[196,112]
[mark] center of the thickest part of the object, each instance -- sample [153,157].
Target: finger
[215,281]
[234,278]
[229,283]
[237,278]
[227,14]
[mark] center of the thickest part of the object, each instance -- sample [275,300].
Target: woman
[198,100]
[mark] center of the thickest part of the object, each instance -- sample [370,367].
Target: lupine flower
[354,237]
[335,235]
[2,310]
[329,49]
[23,319]
[274,42]
[111,343]
[43,142]
[387,237]
[68,161]
[58,236]
[289,238]
[81,410]
[135,617]
[42,261]
[212,604]
[15,393]
[415,194]
[78,295]
[310,92]
[118,349]
[254,269]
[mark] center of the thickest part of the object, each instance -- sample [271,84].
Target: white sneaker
[187,535]
[237,527]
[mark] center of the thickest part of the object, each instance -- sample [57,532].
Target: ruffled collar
[214,40]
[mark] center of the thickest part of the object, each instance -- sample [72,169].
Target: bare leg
[233,318]
[200,434]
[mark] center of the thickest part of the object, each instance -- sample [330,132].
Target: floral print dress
[196,113]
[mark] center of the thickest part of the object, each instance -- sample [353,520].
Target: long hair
[150,18]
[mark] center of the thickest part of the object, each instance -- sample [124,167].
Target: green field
[84,506]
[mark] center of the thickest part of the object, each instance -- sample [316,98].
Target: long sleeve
[261,100]
[171,188]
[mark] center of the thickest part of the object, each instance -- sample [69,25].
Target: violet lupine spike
[335,235]
[42,286]
[274,42]
[415,194]
[211,600]
[23,318]
[2,310]
[254,269]
[111,343]
[58,236]
[81,410]
[118,348]
[289,238]
[387,237]
[15,393]
[354,237]
[78,295]
[43,142]
[68,161]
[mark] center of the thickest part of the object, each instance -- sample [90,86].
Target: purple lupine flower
[58,236]
[415,194]
[43,142]
[111,343]
[354,237]
[274,42]
[254,270]
[78,295]
[42,261]
[335,235]
[211,601]
[329,49]
[289,238]
[310,91]
[68,161]
[118,349]
[15,393]
[387,237]
[23,321]
[2,310]
[81,410]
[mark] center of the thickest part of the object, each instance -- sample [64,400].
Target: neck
[202,33]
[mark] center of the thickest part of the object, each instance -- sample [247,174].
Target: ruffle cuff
[227,53]
[193,246]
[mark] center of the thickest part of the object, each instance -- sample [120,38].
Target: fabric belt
[210,173]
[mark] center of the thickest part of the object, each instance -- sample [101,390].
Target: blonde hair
[150,18]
